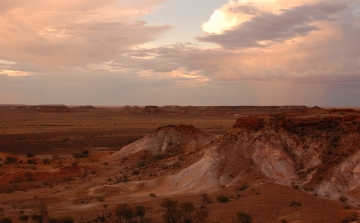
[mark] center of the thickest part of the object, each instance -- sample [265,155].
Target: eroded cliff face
[165,142]
[320,153]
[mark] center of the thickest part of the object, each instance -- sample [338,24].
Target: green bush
[222,198]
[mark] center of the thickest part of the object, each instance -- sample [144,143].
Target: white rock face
[159,142]
[198,177]
[344,178]
[274,163]
[260,151]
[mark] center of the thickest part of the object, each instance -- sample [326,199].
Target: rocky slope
[318,152]
[165,142]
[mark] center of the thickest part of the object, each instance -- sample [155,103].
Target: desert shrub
[171,214]
[11,160]
[347,207]
[152,195]
[24,217]
[46,161]
[135,172]
[124,178]
[294,203]
[144,159]
[295,186]
[65,219]
[9,190]
[31,161]
[101,199]
[186,209]
[5,220]
[124,211]
[205,200]
[40,212]
[335,140]
[222,198]
[182,212]
[243,187]
[159,157]
[30,155]
[352,217]
[177,165]
[139,212]
[52,220]
[82,154]
[343,198]
[243,217]
[283,221]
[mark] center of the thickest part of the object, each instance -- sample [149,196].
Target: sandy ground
[120,169]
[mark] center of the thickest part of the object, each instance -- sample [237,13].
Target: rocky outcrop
[165,142]
[319,153]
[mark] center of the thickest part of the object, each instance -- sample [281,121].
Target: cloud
[72,33]
[234,12]
[99,52]
[265,28]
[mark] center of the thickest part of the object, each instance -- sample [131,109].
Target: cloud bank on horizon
[117,52]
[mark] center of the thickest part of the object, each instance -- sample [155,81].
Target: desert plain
[273,163]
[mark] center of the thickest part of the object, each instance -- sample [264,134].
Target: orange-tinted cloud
[260,53]
[72,32]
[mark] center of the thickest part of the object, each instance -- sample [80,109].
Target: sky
[189,52]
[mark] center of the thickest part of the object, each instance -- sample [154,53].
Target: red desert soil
[295,161]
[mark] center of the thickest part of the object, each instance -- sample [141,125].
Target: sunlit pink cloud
[72,32]
[257,52]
